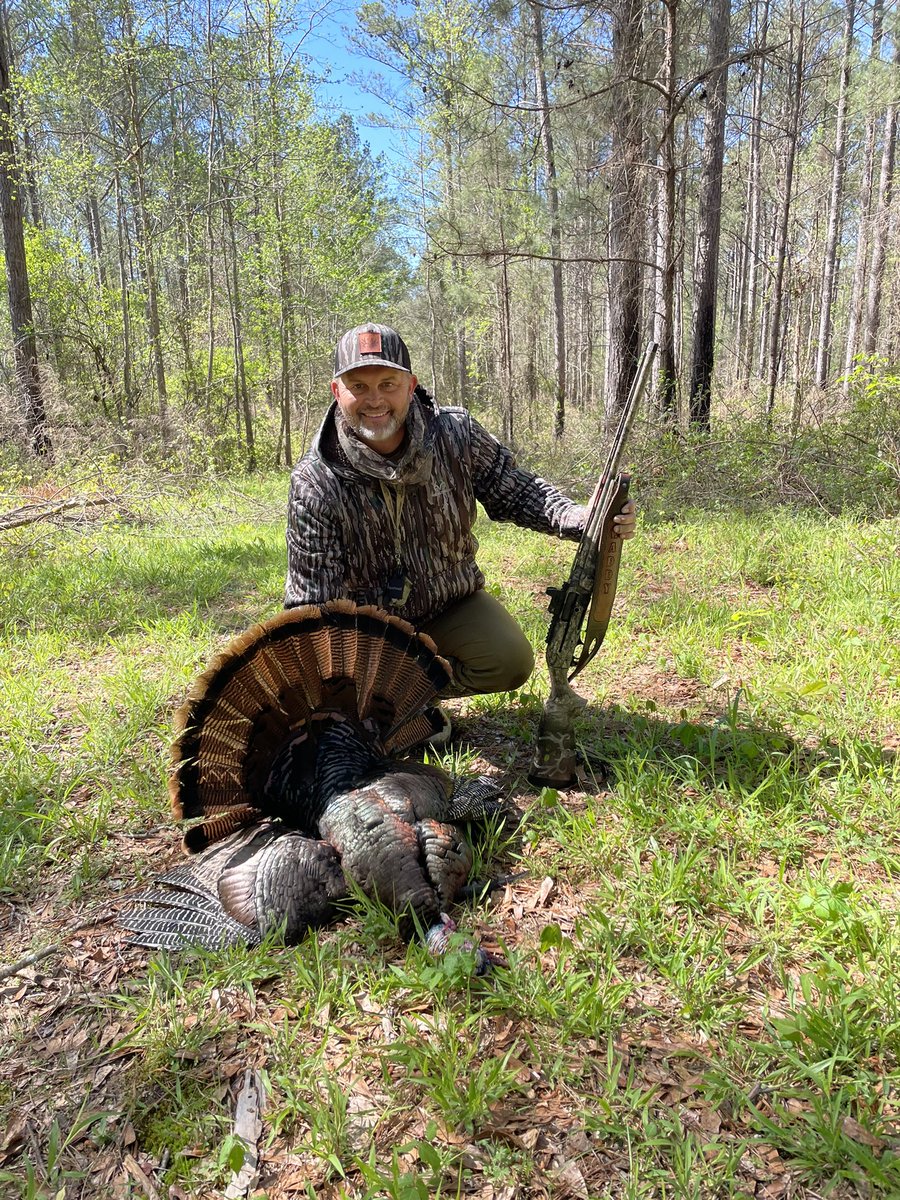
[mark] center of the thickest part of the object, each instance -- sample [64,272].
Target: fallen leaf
[13,1136]
[363,1114]
[578,1142]
[859,1133]
[140,1177]
[772,1191]
[569,1174]
[710,1120]
[543,892]
[103,1073]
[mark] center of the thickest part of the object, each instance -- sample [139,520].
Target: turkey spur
[288,749]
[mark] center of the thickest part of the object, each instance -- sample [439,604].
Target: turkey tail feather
[200,836]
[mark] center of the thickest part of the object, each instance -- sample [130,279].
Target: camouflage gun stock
[587,593]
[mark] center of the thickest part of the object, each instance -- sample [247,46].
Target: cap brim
[372,362]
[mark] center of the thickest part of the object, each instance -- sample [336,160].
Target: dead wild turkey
[287,749]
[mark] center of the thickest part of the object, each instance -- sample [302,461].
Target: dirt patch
[665,689]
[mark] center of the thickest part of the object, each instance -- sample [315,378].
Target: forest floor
[699,994]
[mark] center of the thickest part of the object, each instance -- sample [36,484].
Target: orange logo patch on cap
[370,343]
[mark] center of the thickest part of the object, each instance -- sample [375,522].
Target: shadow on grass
[749,760]
[719,744]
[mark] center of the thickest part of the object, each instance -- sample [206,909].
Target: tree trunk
[505,348]
[531,336]
[882,216]
[286,338]
[797,395]
[798,48]
[835,207]
[95,239]
[459,348]
[124,292]
[183,319]
[145,236]
[747,332]
[559,311]
[241,392]
[462,365]
[180,139]
[625,211]
[36,215]
[664,323]
[863,235]
[28,377]
[212,83]
[709,220]
[505,333]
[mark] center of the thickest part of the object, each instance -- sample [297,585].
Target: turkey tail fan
[342,613]
[389,671]
[256,697]
[246,736]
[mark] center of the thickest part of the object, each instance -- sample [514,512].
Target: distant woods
[195,234]
[185,234]
[718,177]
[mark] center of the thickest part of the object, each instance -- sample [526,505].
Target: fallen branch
[247,1128]
[42,510]
[14,968]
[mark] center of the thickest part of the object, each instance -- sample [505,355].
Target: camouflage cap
[371,346]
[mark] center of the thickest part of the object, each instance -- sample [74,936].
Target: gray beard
[382,433]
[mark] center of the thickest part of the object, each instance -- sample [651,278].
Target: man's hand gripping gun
[588,592]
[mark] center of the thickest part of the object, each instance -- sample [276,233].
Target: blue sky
[349,76]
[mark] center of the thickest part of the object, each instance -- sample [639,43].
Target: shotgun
[588,592]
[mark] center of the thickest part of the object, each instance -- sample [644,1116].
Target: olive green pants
[486,648]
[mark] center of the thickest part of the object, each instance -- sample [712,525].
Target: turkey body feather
[287,750]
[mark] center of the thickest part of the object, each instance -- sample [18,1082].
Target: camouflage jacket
[356,518]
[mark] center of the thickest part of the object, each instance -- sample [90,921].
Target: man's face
[374,402]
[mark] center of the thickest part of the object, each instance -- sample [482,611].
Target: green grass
[702,1004]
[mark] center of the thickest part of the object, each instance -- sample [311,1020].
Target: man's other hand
[624,524]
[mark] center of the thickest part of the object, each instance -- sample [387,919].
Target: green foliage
[445,1060]
[218,202]
[55,1175]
